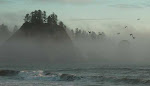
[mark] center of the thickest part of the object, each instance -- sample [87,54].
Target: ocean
[77,75]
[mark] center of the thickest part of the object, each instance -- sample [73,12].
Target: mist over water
[116,47]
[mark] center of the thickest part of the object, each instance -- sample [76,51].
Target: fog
[119,47]
[46,40]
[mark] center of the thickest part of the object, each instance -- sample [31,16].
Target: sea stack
[40,39]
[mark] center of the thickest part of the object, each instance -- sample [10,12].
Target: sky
[97,15]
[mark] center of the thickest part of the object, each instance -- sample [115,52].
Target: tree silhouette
[85,35]
[52,19]
[33,17]
[44,17]
[36,16]
[4,30]
[27,18]
[39,17]
[61,24]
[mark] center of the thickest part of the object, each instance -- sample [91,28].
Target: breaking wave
[39,75]
[54,76]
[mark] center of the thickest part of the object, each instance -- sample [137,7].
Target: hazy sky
[87,14]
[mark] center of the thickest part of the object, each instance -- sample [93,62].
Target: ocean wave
[102,68]
[114,79]
[64,77]
[57,76]
[134,81]
[39,75]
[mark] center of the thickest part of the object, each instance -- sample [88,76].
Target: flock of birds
[120,33]
[130,34]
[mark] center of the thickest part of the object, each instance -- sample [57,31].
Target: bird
[131,34]
[118,33]
[126,26]
[138,19]
[89,31]
[133,37]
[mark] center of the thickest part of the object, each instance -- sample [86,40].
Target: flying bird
[118,33]
[138,19]
[126,26]
[132,36]
[89,31]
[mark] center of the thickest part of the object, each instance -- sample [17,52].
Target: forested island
[40,39]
